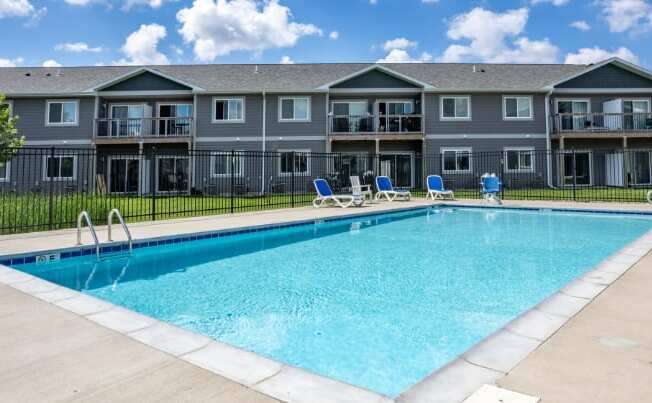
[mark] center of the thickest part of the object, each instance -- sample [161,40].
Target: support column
[626,164]
[561,143]
[377,146]
[424,163]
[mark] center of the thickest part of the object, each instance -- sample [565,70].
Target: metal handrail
[143,127]
[109,221]
[85,216]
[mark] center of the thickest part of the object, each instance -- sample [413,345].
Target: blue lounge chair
[325,196]
[385,189]
[436,188]
[490,187]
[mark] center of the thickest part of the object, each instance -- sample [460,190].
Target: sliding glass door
[574,114]
[399,167]
[577,168]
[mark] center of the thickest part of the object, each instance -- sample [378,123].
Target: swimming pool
[379,302]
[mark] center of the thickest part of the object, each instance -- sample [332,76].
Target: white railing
[361,124]
[143,127]
[602,122]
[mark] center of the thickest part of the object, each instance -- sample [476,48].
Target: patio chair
[386,189]
[326,197]
[490,187]
[436,188]
[359,189]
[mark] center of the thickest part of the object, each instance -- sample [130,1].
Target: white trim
[415,90]
[139,71]
[61,101]
[521,148]
[632,68]
[294,98]
[456,118]
[579,151]
[518,118]
[468,150]
[214,119]
[10,104]
[122,158]
[646,100]
[7,176]
[602,91]
[257,139]
[305,151]
[57,142]
[140,94]
[381,68]
[227,154]
[486,136]
[60,178]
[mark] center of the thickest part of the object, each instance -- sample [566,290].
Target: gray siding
[486,117]
[315,127]
[31,123]
[375,79]
[252,126]
[608,76]
[147,82]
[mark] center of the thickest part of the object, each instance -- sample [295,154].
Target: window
[60,167]
[177,119]
[456,160]
[62,113]
[300,165]
[228,110]
[519,159]
[517,107]
[173,174]
[296,109]
[458,107]
[5,171]
[221,164]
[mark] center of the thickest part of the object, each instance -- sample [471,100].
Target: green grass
[31,212]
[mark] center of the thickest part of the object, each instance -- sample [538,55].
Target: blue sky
[89,32]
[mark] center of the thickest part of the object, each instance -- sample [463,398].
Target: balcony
[351,125]
[595,124]
[157,129]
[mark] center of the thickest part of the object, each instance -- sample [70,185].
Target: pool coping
[485,362]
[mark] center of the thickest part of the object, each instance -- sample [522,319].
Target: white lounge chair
[385,189]
[436,188]
[326,197]
[359,189]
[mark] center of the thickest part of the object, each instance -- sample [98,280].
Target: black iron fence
[46,188]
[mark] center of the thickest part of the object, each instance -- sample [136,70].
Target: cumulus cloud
[402,56]
[581,25]
[627,15]
[51,63]
[399,43]
[126,4]
[553,2]
[596,54]
[141,46]
[334,35]
[496,37]
[23,9]
[11,62]
[219,27]
[77,47]
[286,60]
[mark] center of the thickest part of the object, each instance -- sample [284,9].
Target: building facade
[398,113]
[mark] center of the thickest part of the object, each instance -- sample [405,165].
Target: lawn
[34,212]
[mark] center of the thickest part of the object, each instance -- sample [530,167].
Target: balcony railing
[602,122]
[143,128]
[375,124]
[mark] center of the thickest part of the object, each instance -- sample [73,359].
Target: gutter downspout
[262,179]
[548,142]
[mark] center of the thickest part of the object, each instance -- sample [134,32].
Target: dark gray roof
[290,77]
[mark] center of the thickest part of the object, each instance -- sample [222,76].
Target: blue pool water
[378,302]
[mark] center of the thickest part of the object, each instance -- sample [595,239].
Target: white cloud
[11,62]
[429,1]
[126,4]
[496,37]
[627,15]
[373,2]
[286,60]
[402,56]
[51,63]
[581,25]
[596,54]
[151,3]
[334,35]
[553,2]
[399,43]
[219,27]
[141,46]
[77,47]
[21,8]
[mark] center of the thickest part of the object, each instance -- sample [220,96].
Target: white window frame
[10,104]
[60,178]
[581,151]
[7,176]
[530,100]
[227,120]
[646,100]
[519,169]
[468,150]
[61,101]
[306,151]
[348,102]
[238,153]
[441,107]
[192,109]
[294,98]
[587,100]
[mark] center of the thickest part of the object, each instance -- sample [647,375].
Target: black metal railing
[382,124]
[46,188]
[143,127]
[602,122]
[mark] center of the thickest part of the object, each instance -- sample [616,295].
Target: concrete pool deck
[612,345]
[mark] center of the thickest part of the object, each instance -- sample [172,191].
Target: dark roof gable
[374,79]
[147,81]
[608,76]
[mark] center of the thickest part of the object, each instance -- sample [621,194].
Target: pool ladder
[84,216]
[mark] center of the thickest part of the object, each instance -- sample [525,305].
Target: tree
[10,141]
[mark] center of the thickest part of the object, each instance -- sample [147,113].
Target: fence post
[293,157]
[232,184]
[152,182]
[501,160]
[50,190]
[574,177]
